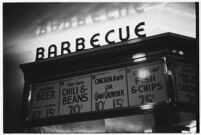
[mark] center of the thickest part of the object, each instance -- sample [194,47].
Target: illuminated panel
[109,90]
[146,84]
[75,95]
[158,17]
[185,83]
[45,98]
[113,11]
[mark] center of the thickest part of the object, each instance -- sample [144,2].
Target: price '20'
[75,109]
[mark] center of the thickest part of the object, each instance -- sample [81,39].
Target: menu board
[109,90]
[45,98]
[75,95]
[146,84]
[185,83]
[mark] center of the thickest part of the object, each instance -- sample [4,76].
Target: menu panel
[146,84]
[109,90]
[45,98]
[185,83]
[75,95]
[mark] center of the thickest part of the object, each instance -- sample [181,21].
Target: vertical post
[197,55]
[168,114]
[24,108]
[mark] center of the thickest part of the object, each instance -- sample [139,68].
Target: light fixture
[181,52]
[29,97]
[174,51]
[143,73]
[139,57]
[147,106]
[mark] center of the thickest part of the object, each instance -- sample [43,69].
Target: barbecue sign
[80,43]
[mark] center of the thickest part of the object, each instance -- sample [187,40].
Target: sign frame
[130,110]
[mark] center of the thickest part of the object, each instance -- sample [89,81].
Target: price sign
[185,83]
[146,84]
[45,100]
[109,90]
[75,95]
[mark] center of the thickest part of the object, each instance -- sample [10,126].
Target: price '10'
[117,103]
[50,112]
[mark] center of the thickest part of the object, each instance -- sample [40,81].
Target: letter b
[40,53]
[80,42]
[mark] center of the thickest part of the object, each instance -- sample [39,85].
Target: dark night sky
[19,21]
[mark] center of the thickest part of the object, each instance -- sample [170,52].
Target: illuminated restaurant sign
[109,90]
[64,47]
[100,91]
[75,95]
[107,14]
[45,99]
[185,83]
[146,84]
